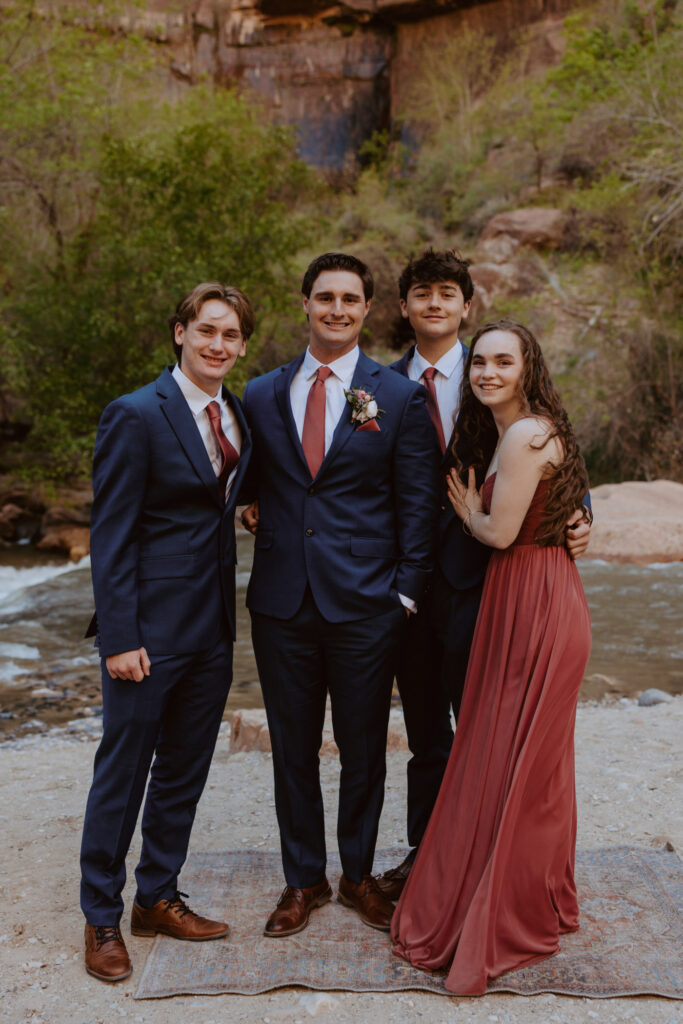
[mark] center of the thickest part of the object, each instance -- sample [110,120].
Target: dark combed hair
[475,433]
[338,261]
[433,267]
[190,306]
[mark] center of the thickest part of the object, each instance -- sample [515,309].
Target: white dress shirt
[447,382]
[198,400]
[339,380]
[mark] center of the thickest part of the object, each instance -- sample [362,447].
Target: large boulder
[535,226]
[496,281]
[638,521]
[74,540]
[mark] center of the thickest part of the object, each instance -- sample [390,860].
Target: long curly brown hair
[475,434]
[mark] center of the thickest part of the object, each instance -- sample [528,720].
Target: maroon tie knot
[214,411]
[323,373]
[429,373]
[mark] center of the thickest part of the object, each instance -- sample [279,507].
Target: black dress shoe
[391,883]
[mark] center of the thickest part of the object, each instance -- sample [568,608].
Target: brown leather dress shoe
[174,918]
[106,956]
[391,883]
[366,899]
[294,909]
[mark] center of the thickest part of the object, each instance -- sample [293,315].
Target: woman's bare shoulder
[533,434]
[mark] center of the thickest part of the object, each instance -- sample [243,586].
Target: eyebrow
[346,295]
[214,327]
[498,355]
[430,284]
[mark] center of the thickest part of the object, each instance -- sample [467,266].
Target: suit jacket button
[443,508]
[309,532]
[311,490]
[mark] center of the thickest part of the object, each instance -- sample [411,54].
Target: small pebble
[649,698]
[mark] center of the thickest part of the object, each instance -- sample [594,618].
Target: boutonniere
[365,411]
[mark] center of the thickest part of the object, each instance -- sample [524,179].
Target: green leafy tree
[119,209]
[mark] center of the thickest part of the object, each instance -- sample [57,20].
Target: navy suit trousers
[432,666]
[173,717]
[299,660]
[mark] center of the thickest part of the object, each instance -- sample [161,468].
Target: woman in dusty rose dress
[493,884]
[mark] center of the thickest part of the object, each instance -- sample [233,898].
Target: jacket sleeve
[416,460]
[120,469]
[249,486]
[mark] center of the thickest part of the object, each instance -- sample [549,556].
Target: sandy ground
[629,786]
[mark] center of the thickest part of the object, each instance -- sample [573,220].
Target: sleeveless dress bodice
[535,513]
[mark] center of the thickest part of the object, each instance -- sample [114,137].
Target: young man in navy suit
[436,292]
[345,463]
[169,461]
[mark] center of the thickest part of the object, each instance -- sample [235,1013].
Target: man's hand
[250,517]
[578,534]
[133,665]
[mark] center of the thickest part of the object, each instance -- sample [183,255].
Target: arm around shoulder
[416,468]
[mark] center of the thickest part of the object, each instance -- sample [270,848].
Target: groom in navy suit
[169,461]
[344,461]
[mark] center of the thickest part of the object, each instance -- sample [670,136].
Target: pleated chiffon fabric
[493,884]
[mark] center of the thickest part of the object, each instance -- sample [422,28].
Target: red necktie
[229,454]
[313,434]
[433,405]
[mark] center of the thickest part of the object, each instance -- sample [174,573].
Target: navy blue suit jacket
[162,540]
[363,530]
[461,558]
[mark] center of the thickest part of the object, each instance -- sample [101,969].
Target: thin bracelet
[466,527]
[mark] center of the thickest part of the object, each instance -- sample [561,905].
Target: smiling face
[210,345]
[435,311]
[497,369]
[336,310]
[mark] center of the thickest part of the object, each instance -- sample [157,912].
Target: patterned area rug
[630,941]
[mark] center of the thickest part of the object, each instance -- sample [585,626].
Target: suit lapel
[401,365]
[246,440]
[283,383]
[365,377]
[182,423]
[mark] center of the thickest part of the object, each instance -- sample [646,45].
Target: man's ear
[466,309]
[179,334]
[404,308]
[304,303]
[243,349]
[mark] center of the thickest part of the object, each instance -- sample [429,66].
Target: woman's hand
[465,500]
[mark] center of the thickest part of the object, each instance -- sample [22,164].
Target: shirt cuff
[408,603]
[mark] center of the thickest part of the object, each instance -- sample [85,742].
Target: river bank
[50,675]
[636,521]
[629,768]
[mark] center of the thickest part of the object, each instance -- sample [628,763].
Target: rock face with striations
[338,72]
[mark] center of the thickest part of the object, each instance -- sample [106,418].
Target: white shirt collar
[194,396]
[343,368]
[448,363]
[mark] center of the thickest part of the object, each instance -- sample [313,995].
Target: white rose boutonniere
[365,410]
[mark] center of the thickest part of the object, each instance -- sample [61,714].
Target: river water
[49,675]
